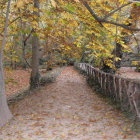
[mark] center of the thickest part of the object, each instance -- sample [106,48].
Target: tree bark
[23,26]
[34,80]
[5,113]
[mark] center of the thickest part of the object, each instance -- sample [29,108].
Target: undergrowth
[50,76]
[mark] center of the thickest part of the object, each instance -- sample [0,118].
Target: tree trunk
[34,80]
[23,45]
[5,113]
[119,54]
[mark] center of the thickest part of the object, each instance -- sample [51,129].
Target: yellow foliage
[20,3]
[135,63]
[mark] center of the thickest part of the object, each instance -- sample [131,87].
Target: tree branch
[111,13]
[9,24]
[100,20]
[91,12]
[134,1]
[14,20]
[27,63]
[121,25]
[28,37]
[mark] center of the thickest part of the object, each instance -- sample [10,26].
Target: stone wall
[124,91]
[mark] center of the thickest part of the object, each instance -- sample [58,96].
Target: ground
[16,80]
[131,75]
[67,109]
[128,72]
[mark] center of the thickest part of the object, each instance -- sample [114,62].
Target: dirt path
[128,72]
[66,110]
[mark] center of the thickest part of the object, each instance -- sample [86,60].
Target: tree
[5,113]
[34,80]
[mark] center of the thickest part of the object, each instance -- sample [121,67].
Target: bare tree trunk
[23,45]
[5,113]
[34,80]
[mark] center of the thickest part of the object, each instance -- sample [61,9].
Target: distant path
[66,110]
[128,72]
[131,75]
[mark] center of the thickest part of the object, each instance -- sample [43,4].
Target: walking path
[66,110]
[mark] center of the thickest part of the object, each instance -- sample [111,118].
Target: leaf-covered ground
[16,80]
[128,72]
[66,110]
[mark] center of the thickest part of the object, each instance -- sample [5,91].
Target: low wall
[123,90]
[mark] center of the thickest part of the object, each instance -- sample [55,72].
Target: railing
[123,90]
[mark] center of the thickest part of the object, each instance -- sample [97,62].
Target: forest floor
[128,72]
[16,80]
[67,109]
[131,75]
